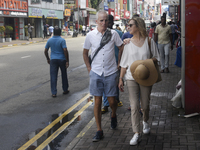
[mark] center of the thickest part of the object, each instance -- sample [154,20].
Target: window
[59,1]
[47,1]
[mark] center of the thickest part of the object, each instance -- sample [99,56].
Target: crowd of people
[130,56]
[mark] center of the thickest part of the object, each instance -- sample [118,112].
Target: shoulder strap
[149,43]
[104,40]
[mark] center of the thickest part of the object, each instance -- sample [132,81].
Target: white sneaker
[146,128]
[135,139]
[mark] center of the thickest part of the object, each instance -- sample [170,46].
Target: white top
[104,61]
[83,27]
[132,53]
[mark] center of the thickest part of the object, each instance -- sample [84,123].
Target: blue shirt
[126,35]
[116,48]
[56,43]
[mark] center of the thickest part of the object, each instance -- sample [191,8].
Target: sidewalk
[25,42]
[169,129]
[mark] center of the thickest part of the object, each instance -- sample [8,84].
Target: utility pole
[78,16]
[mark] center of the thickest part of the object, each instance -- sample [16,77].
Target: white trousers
[138,95]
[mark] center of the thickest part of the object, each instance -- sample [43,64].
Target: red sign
[17,28]
[117,17]
[111,12]
[124,1]
[127,14]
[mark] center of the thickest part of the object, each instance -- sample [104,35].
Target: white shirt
[104,61]
[132,53]
[83,27]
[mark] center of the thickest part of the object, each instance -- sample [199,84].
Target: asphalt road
[26,104]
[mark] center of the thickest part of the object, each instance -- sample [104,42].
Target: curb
[27,43]
[73,143]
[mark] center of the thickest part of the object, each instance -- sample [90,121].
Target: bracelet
[120,77]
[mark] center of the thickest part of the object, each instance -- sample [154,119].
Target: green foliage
[9,29]
[95,3]
[81,27]
[2,30]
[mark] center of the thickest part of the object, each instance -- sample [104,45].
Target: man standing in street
[51,28]
[83,30]
[103,70]
[30,30]
[163,35]
[59,59]
[45,30]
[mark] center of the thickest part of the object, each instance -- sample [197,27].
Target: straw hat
[144,72]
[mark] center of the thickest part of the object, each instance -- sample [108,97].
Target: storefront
[13,14]
[38,16]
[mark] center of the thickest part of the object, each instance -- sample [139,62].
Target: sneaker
[98,136]
[146,128]
[135,139]
[119,104]
[104,109]
[113,122]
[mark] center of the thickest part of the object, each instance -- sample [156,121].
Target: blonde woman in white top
[137,49]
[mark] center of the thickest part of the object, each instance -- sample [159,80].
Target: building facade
[13,13]
[44,12]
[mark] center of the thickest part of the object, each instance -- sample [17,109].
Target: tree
[95,3]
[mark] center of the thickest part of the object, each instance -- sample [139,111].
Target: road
[26,104]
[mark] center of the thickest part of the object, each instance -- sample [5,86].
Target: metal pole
[78,16]
[183,50]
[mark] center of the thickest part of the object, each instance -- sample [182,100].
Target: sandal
[104,109]
[66,92]
[54,95]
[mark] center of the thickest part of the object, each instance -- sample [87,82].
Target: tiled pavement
[169,129]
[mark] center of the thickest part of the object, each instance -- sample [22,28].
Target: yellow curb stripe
[5,46]
[15,44]
[57,132]
[88,126]
[31,141]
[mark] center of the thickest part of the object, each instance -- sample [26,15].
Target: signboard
[18,8]
[127,14]
[67,12]
[70,4]
[111,11]
[124,1]
[170,2]
[105,6]
[51,14]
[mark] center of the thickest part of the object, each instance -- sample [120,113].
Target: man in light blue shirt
[59,59]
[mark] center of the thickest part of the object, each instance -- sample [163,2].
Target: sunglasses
[130,25]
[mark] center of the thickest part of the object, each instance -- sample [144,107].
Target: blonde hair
[140,24]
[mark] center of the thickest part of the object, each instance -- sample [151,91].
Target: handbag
[156,64]
[104,40]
